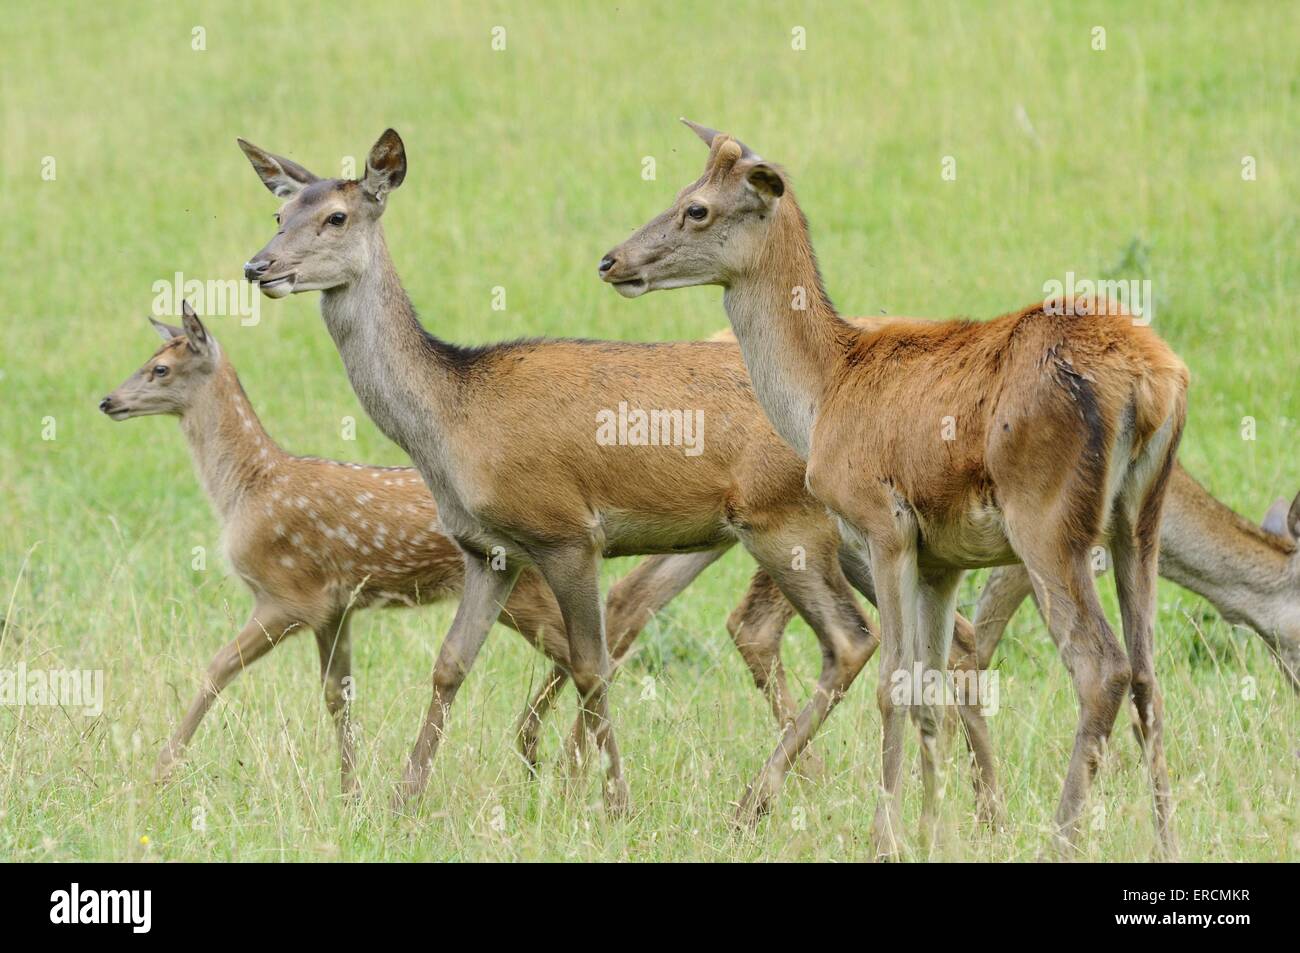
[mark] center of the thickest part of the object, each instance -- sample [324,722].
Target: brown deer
[316,540]
[506,438]
[949,446]
[1250,573]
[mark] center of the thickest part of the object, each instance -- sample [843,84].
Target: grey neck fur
[791,354]
[397,377]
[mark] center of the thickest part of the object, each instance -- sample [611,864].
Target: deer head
[713,232]
[328,229]
[167,382]
[1283,522]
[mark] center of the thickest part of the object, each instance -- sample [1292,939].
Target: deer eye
[697,212]
[276,216]
[338,218]
[160,370]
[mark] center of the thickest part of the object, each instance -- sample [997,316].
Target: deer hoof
[811,766]
[165,768]
[617,798]
[753,807]
[883,834]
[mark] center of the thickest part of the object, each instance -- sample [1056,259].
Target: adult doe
[947,446]
[505,438]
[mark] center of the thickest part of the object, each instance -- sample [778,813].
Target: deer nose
[256,269]
[106,403]
[606,263]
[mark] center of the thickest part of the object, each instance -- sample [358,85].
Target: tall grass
[525,165]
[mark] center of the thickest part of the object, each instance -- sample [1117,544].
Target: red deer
[947,446]
[1211,554]
[505,437]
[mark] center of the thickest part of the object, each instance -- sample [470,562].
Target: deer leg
[260,634]
[532,611]
[334,643]
[756,626]
[636,598]
[632,602]
[964,663]
[486,592]
[1007,587]
[973,647]
[528,730]
[893,567]
[1135,549]
[653,583]
[966,660]
[1135,585]
[936,607]
[821,595]
[573,575]
[1097,664]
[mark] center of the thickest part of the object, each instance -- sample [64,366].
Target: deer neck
[1248,574]
[404,377]
[232,452]
[789,334]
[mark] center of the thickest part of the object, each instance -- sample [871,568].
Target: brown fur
[1012,386]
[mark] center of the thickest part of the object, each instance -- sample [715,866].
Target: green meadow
[1169,155]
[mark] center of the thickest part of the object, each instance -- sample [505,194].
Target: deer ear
[194,329]
[282,176]
[166,331]
[385,166]
[766,181]
[706,134]
[1278,521]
